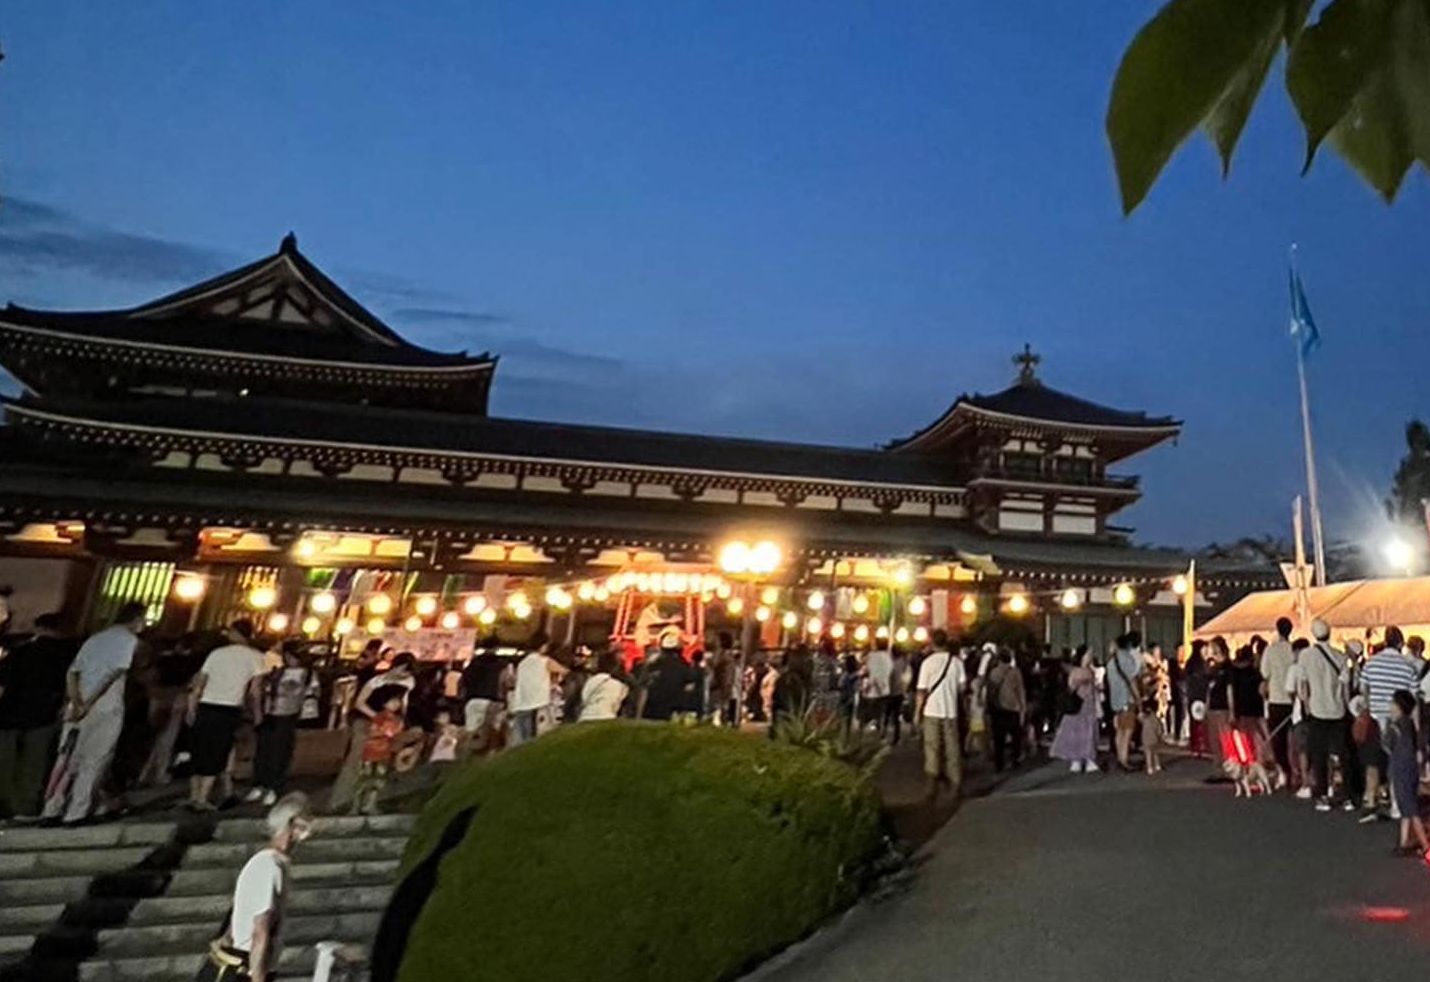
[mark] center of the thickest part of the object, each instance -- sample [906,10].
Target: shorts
[211,738]
[1125,720]
[482,713]
[1371,755]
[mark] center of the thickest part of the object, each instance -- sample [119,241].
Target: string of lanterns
[427,608]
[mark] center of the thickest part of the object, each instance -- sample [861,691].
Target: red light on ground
[1384,915]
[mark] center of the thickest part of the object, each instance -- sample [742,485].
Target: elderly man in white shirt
[94,716]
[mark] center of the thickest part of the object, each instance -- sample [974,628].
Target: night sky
[817,221]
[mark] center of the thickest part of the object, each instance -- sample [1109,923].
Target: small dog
[1250,778]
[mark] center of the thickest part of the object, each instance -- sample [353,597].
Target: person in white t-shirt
[874,694]
[252,940]
[216,701]
[936,707]
[94,716]
[603,693]
[535,674]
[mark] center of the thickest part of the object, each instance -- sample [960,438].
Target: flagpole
[1318,542]
[1313,489]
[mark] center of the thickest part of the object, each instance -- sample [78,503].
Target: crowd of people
[83,725]
[1341,726]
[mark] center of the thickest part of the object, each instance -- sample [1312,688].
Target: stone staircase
[127,902]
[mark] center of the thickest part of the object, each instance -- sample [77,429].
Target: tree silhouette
[1411,487]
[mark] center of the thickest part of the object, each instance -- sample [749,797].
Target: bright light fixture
[860,604]
[814,626]
[1071,599]
[918,606]
[311,626]
[413,623]
[474,605]
[969,604]
[735,557]
[861,633]
[323,603]
[1180,586]
[816,600]
[450,621]
[487,616]
[425,606]
[379,605]
[1399,554]
[770,595]
[376,626]
[765,558]
[790,620]
[343,626]
[1123,595]
[1018,604]
[278,623]
[262,597]
[734,606]
[189,588]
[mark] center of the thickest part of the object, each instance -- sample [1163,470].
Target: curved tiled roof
[439,432]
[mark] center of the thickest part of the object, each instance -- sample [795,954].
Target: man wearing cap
[1325,690]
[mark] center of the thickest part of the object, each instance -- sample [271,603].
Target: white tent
[1351,608]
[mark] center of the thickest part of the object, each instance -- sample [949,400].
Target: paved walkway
[1055,876]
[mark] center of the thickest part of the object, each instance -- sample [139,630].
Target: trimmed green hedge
[627,851]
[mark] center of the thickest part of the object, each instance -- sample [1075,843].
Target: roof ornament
[1027,363]
[289,244]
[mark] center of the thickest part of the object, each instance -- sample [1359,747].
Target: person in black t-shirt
[1248,705]
[483,693]
[1218,700]
[32,694]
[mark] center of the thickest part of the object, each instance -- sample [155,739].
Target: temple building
[262,443]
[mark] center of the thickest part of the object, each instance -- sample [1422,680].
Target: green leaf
[1372,135]
[1412,74]
[1296,13]
[1177,69]
[1228,119]
[1333,60]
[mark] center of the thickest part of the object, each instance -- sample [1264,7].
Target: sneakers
[1092,767]
[1369,818]
[1323,805]
[270,798]
[254,795]
[1350,806]
[1075,767]
[1304,792]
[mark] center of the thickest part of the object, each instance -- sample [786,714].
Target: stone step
[119,834]
[209,909]
[52,889]
[69,862]
[16,917]
[204,882]
[296,962]
[301,931]
[317,850]
[14,945]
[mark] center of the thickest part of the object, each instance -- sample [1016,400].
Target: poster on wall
[427,643]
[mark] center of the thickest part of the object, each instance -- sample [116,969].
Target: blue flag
[1303,325]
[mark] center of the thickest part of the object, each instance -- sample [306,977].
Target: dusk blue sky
[817,221]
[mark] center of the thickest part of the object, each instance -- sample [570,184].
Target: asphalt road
[1103,877]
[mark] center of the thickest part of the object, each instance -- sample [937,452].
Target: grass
[629,851]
